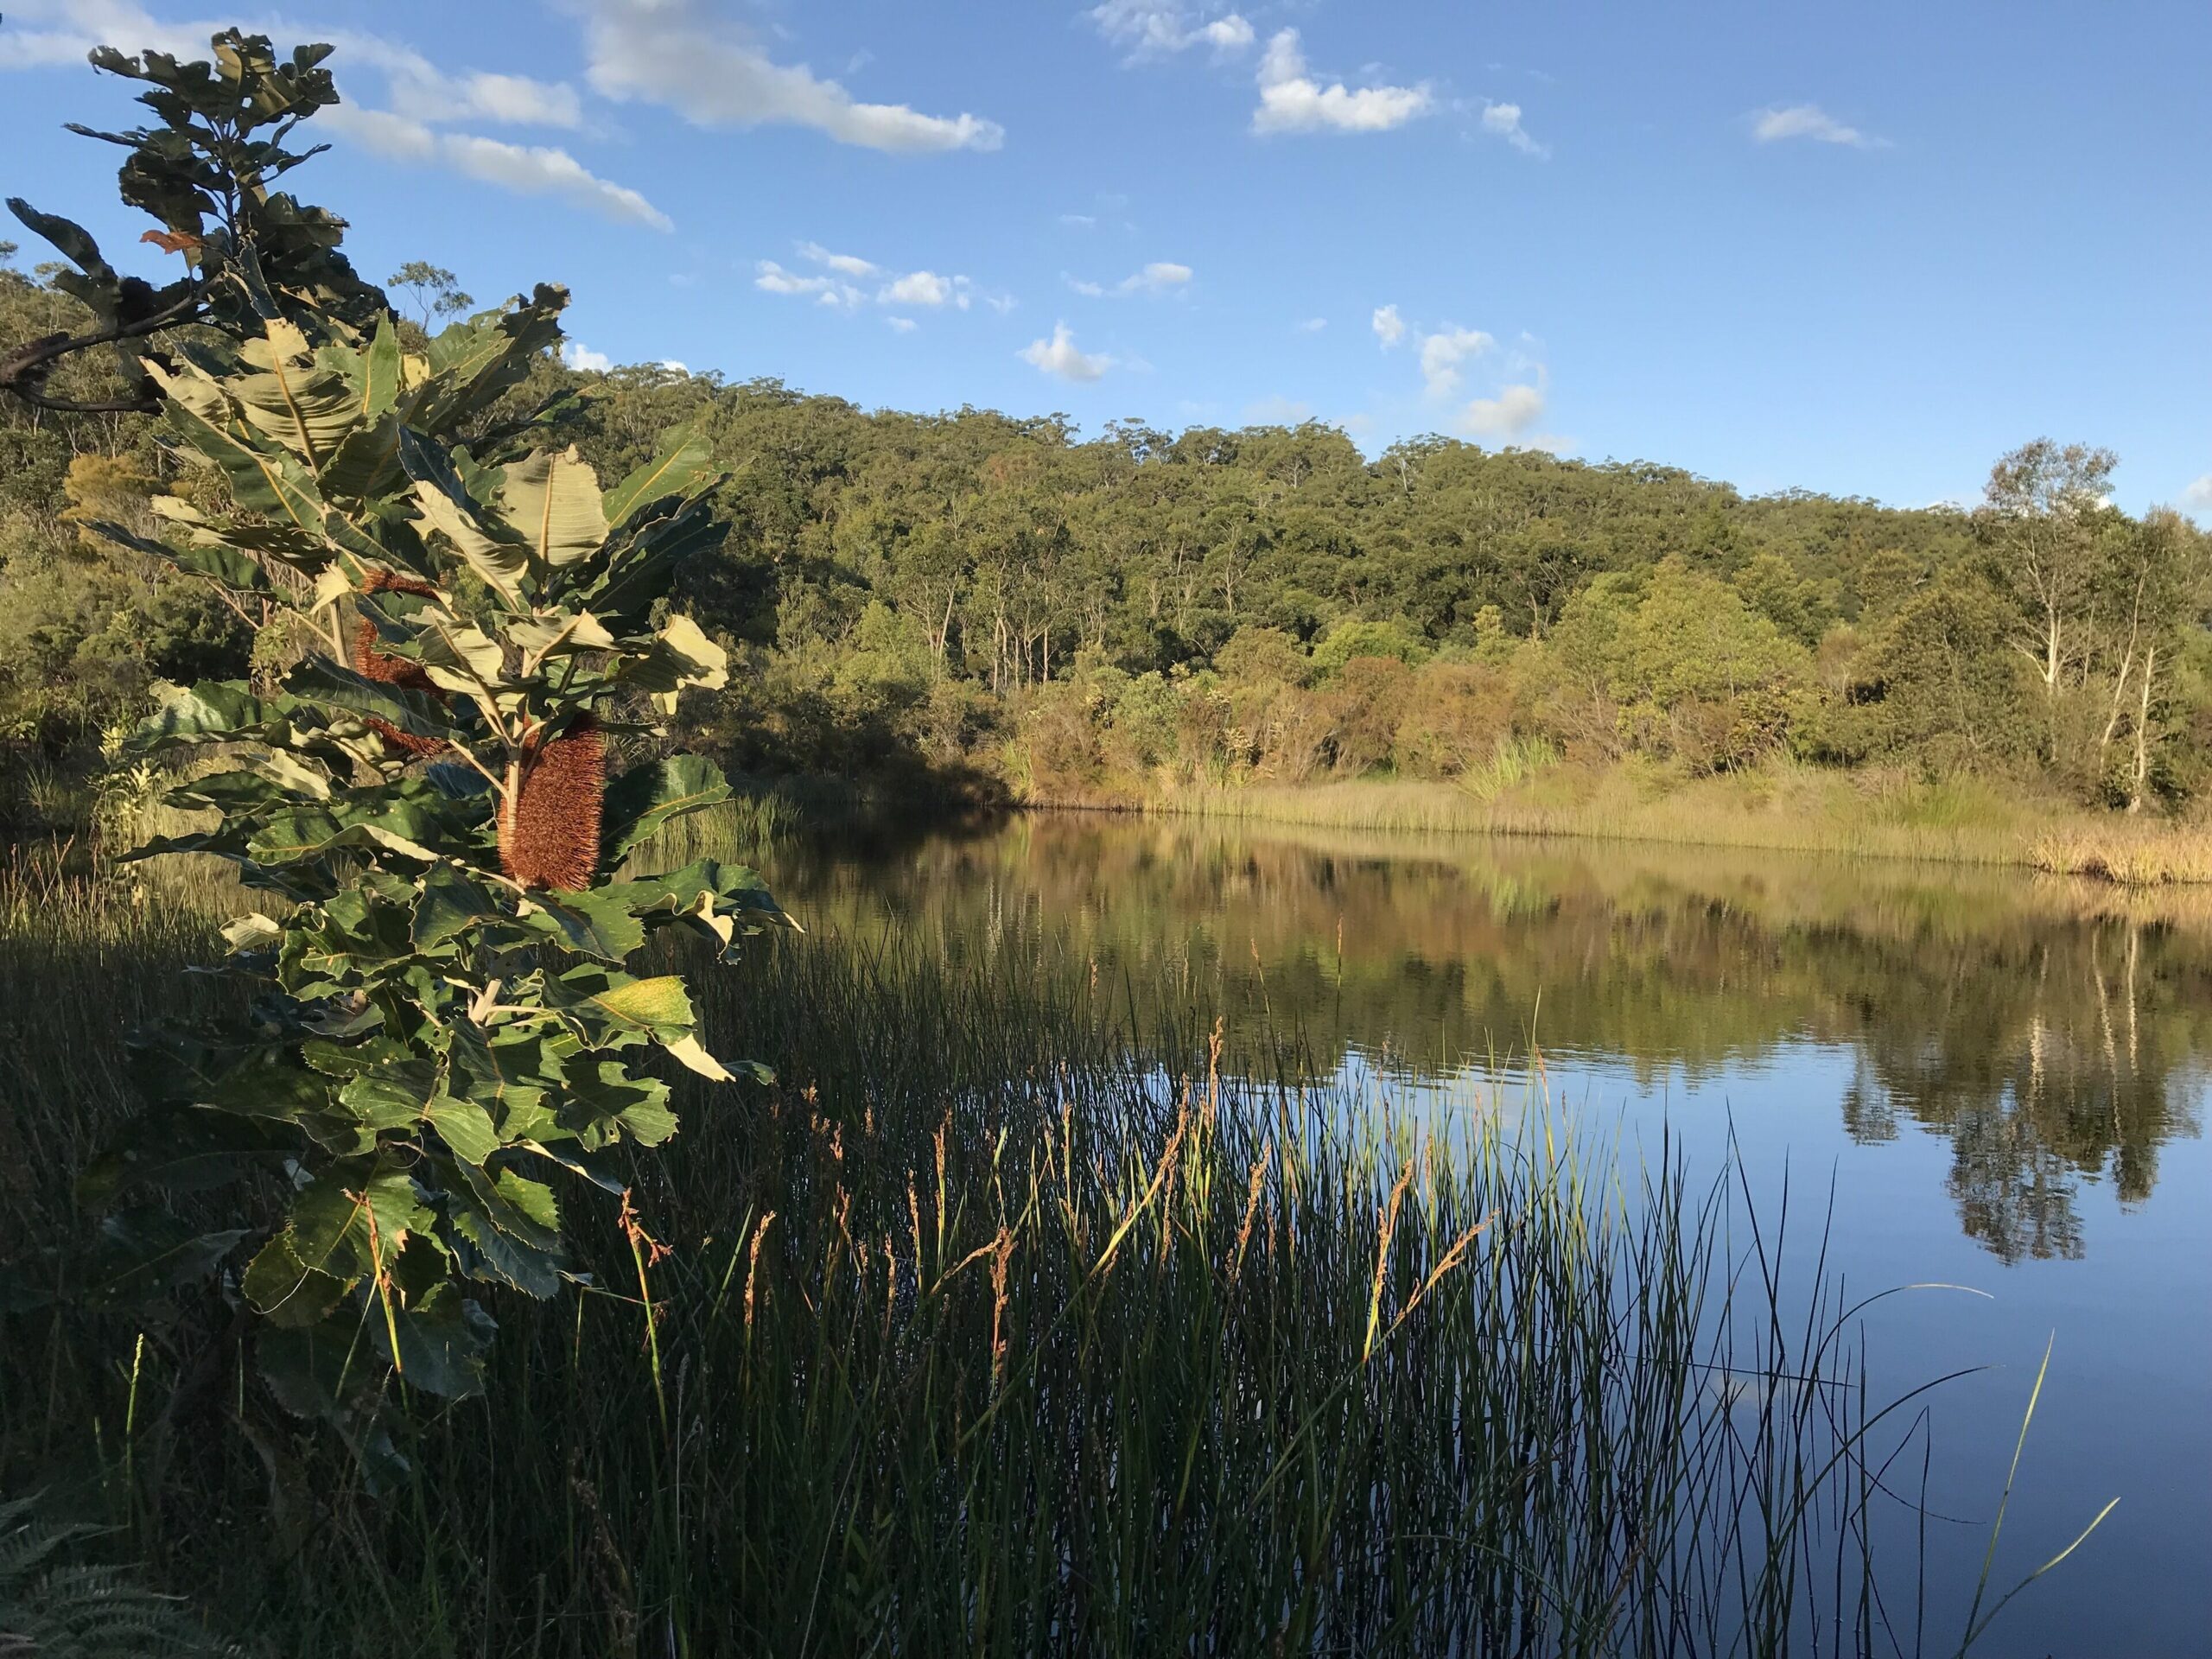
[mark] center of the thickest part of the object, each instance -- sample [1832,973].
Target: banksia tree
[449,1019]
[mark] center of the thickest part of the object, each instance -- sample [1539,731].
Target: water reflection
[2053,1032]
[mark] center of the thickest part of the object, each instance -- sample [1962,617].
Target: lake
[1984,1083]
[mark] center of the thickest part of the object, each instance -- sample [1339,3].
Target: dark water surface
[1978,1079]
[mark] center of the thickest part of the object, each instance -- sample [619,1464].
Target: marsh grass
[1779,807]
[1019,1319]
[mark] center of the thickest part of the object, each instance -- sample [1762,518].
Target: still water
[1982,1080]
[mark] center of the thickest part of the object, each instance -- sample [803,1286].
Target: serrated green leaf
[645,798]
[465,1126]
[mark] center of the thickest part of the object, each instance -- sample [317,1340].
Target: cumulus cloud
[531,170]
[1291,100]
[924,288]
[1389,326]
[1060,356]
[1148,29]
[1810,121]
[1278,411]
[2197,497]
[834,284]
[577,355]
[666,52]
[1443,351]
[901,325]
[1504,120]
[1507,415]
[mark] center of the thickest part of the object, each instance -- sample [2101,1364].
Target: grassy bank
[1779,808]
[1017,1319]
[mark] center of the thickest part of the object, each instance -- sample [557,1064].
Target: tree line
[969,596]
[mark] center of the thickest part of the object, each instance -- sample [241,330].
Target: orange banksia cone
[374,665]
[548,825]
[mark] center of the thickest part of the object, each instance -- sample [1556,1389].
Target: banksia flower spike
[372,664]
[548,825]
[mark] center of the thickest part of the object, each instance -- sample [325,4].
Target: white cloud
[1507,415]
[774,278]
[2197,497]
[1311,326]
[1504,121]
[666,52]
[419,90]
[1278,411]
[1080,221]
[577,355]
[1292,101]
[845,264]
[831,286]
[1389,326]
[1059,356]
[521,101]
[531,170]
[1809,121]
[901,325]
[1161,276]
[80,25]
[1442,353]
[1150,28]
[924,288]
[674,365]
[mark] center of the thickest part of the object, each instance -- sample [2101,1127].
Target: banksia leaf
[548,825]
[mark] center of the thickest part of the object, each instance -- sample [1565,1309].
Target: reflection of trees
[2050,1036]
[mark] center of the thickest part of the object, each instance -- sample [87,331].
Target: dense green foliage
[443,1022]
[990,603]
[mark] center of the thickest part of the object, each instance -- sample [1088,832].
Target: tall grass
[1019,1319]
[1778,807]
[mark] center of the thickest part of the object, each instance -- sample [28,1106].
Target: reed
[1779,808]
[1019,1318]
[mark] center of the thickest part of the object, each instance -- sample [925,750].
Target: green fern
[54,1608]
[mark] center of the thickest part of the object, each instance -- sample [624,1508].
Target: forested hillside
[974,601]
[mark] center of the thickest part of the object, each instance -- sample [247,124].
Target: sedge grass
[1777,807]
[1018,1319]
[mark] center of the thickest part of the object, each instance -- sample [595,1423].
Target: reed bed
[1777,808]
[2127,854]
[1019,1319]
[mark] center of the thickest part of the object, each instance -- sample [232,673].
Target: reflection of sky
[2126,1408]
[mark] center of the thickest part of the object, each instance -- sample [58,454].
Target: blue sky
[1861,249]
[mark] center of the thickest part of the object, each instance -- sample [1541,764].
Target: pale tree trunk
[2143,734]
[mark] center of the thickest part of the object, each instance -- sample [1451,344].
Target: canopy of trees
[969,595]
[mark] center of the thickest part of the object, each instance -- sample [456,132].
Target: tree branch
[24,370]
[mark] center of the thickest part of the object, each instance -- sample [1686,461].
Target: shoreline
[1943,823]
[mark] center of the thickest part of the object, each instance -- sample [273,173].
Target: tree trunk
[2143,734]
